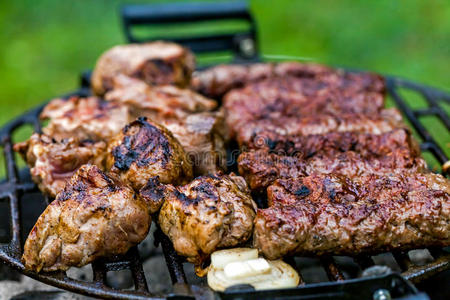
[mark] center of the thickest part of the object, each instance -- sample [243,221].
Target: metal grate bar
[438,111]
[291,261]
[137,271]
[332,270]
[364,262]
[403,260]
[173,261]
[99,271]
[392,85]
[11,170]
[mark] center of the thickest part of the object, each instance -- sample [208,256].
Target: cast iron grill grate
[15,187]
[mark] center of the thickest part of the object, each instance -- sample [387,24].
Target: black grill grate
[13,188]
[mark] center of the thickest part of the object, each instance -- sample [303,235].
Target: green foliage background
[46,44]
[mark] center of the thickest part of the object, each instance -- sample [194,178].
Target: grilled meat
[337,215]
[186,114]
[290,97]
[84,118]
[202,137]
[209,213]
[349,153]
[256,133]
[92,217]
[216,81]
[157,102]
[53,163]
[156,63]
[364,142]
[260,168]
[145,149]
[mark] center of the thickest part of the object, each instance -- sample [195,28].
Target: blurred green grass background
[46,44]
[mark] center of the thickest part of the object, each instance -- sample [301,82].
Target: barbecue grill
[18,187]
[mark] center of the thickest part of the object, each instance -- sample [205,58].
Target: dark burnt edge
[12,189]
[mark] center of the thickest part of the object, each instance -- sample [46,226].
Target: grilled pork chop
[156,63]
[53,163]
[93,216]
[338,215]
[145,149]
[211,212]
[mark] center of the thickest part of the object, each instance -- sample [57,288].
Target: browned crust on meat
[145,149]
[351,154]
[88,118]
[155,63]
[327,214]
[52,163]
[94,216]
[211,212]
[216,81]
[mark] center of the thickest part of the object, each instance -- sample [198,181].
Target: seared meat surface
[145,149]
[209,213]
[84,118]
[92,217]
[185,113]
[350,153]
[298,97]
[53,163]
[157,102]
[216,81]
[202,137]
[260,168]
[363,142]
[337,215]
[156,63]
[256,133]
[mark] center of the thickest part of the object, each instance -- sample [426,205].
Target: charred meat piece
[186,114]
[84,118]
[260,168]
[53,163]
[92,217]
[308,145]
[348,153]
[157,102]
[335,215]
[209,213]
[255,134]
[292,97]
[156,63]
[216,81]
[145,149]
